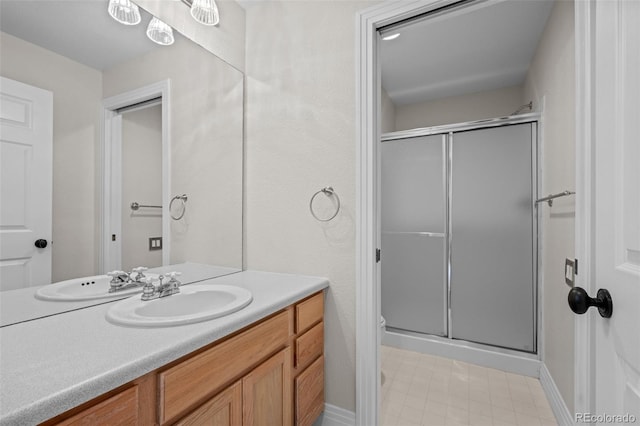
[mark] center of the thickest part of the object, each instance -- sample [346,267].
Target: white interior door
[26,129]
[617,210]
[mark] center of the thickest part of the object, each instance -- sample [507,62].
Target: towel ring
[182,198]
[328,191]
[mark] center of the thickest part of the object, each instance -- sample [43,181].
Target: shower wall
[458,109]
[459,235]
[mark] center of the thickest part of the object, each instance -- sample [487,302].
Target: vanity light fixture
[159,32]
[391,36]
[124,11]
[204,11]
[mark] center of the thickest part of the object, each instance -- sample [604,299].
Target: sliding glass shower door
[492,237]
[413,234]
[459,232]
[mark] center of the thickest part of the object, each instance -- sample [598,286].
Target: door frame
[111,179]
[584,343]
[368,111]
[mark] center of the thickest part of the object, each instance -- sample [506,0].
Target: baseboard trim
[560,409]
[335,416]
[500,359]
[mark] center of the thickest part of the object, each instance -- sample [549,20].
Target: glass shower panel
[413,194]
[492,237]
[413,234]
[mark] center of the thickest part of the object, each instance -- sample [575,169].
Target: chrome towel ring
[328,191]
[182,198]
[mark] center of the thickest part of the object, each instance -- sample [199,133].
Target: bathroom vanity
[262,362]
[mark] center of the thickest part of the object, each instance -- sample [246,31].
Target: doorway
[370,120]
[153,102]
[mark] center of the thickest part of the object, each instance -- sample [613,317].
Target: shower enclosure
[459,232]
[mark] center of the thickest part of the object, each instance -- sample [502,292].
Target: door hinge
[378,252]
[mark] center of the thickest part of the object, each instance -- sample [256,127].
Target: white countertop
[20,305]
[56,363]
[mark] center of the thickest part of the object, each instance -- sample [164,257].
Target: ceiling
[484,46]
[81,30]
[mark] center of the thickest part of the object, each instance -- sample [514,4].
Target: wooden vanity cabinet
[269,373]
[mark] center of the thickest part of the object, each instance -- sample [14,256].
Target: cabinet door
[225,409]
[266,392]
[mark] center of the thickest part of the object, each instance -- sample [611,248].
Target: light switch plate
[155,243]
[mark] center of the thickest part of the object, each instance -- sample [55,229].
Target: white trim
[584,360]
[335,416]
[109,183]
[486,356]
[560,410]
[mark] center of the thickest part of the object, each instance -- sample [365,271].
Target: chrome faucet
[150,291]
[121,280]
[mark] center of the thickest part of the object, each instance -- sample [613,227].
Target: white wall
[77,92]
[206,100]
[551,77]
[459,109]
[226,39]
[142,183]
[300,137]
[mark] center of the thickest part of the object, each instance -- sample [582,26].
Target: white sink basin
[85,288]
[194,303]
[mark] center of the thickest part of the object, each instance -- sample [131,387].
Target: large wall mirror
[145,153]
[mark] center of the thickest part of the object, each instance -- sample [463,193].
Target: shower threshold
[508,360]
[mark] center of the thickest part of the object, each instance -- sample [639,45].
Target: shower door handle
[580,302]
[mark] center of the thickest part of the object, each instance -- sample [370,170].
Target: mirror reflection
[97,117]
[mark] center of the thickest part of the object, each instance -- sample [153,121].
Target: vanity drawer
[309,346]
[309,393]
[186,384]
[309,312]
[121,408]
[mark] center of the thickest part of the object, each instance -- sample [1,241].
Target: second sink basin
[194,303]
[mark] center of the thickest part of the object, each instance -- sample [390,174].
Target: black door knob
[41,243]
[579,301]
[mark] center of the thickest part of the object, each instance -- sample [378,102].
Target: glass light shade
[205,12]
[159,32]
[124,12]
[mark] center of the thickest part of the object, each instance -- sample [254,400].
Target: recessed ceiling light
[391,36]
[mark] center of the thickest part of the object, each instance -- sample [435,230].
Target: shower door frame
[448,132]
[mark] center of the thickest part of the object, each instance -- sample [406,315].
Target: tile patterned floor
[420,389]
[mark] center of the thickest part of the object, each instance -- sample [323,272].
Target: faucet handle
[172,278]
[115,275]
[139,271]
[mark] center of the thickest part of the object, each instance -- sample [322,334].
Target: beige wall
[206,100]
[300,137]
[459,109]
[388,113]
[142,183]
[226,39]
[551,77]
[77,92]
